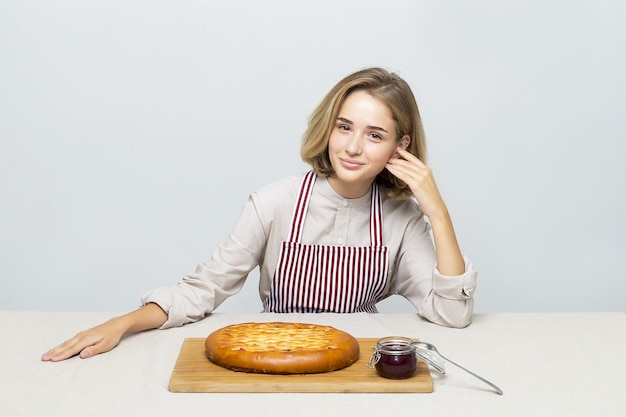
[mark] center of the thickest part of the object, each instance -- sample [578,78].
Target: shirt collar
[329,193]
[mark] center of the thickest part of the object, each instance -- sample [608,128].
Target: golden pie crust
[281,348]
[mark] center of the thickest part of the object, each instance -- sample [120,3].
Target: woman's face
[360,144]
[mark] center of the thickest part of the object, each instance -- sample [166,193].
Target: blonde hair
[391,90]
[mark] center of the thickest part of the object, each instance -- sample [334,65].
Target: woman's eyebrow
[344,120]
[349,122]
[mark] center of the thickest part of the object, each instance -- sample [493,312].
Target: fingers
[407,161]
[94,350]
[409,157]
[410,169]
[84,344]
[419,177]
[69,348]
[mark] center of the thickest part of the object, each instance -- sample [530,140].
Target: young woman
[339,238]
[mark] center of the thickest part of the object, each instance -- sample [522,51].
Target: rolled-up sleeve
[456,287]
[451,302]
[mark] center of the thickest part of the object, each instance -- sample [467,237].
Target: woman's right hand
[87,343]
[106,336]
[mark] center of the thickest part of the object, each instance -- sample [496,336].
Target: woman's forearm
[148,317]
[449,257]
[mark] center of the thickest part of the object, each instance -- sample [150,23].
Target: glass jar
[394,357]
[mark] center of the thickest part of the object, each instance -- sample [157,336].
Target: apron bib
[319,278]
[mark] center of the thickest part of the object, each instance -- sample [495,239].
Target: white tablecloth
[546,364]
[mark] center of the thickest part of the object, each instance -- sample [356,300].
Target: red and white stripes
[319,278]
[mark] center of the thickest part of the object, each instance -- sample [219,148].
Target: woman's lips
[350,164]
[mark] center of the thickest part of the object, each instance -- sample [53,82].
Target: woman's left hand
[420,180]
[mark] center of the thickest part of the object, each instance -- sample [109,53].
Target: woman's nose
[354,145]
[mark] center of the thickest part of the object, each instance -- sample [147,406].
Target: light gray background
[131,133]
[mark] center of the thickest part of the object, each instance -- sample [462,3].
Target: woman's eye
[343,127]
[375,136]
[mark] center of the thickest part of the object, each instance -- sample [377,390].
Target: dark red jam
[396,358]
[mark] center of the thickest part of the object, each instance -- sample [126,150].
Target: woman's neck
[349,190]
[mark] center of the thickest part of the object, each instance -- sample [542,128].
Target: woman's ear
[404,142]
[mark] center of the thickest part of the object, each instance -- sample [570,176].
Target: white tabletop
[546,364]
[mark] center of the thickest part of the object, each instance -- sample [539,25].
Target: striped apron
[318,278]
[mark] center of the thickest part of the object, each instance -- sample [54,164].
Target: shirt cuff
[460,287]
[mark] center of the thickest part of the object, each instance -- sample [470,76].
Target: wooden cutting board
[193,372]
